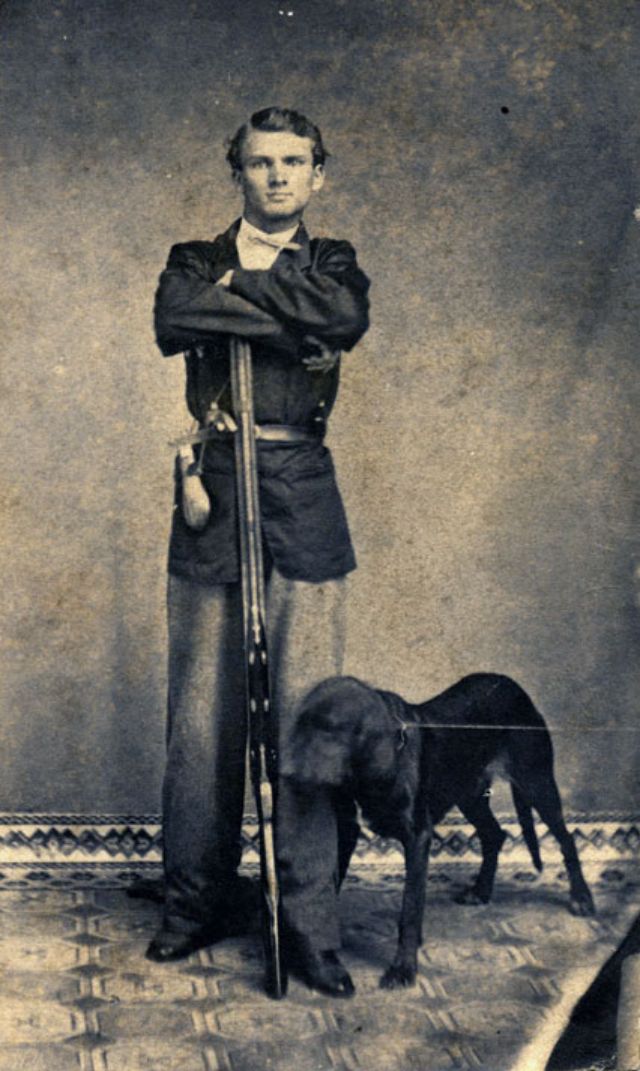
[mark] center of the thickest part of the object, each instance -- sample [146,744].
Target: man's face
[277,179]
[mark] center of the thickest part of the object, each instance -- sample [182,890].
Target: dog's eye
[322,725]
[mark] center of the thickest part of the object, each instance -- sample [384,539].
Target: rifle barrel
[261,717]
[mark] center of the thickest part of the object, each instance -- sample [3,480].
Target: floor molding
[72,839]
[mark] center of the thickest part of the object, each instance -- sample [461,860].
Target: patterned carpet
[495,987]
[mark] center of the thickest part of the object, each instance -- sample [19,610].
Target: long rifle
[263,755]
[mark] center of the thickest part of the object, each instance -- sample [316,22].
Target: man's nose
[277,176]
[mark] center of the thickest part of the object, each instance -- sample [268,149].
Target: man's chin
[281,214]
[282,210]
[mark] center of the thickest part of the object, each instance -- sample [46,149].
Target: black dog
[408,764]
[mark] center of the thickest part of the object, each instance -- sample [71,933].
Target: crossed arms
[278,307]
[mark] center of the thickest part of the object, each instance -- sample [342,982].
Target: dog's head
[341,732]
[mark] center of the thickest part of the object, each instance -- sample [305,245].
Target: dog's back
[482,700]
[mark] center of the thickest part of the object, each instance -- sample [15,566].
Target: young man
[299,302]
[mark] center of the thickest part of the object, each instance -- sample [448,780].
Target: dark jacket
[318,290]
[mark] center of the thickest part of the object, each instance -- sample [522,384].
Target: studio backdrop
[484,163]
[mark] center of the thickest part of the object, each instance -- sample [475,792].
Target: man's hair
[276,120]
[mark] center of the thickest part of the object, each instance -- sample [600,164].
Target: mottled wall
[484,164]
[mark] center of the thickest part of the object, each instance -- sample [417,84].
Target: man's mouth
[278,196]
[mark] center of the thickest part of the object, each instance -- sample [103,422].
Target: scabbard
[262,718]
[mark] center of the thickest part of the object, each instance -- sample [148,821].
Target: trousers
[204,784]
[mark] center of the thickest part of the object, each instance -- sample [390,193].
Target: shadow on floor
[590,1036]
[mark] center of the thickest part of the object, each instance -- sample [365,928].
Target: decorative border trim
[120,839]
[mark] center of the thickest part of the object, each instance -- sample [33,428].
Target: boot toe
[324,972]
[167,946]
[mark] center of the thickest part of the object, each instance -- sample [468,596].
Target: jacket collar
[224,248]
[302,257]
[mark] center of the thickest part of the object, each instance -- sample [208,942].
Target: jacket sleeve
[329,300]
[190,308]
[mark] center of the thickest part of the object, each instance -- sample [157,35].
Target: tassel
[196,507]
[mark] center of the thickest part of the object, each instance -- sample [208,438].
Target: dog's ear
[381,741]
[378,760]
[318,751]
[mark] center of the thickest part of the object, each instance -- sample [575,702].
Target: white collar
[277,240]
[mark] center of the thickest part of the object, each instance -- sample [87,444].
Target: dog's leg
[402,971]
[348,833]
[492,837]
[544,796]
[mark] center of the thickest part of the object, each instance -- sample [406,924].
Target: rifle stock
[263,756]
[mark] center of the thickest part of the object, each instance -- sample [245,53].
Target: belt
[286,433]
[270,433]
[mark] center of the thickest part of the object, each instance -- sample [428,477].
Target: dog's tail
[525,817]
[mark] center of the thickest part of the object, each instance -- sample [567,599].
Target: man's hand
[322,361]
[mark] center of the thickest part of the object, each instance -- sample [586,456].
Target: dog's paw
[398,976]
[471,896]
[582,905]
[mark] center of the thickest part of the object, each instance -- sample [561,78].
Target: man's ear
[236,178]
[318,178]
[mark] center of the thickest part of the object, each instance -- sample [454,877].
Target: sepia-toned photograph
[320,535]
